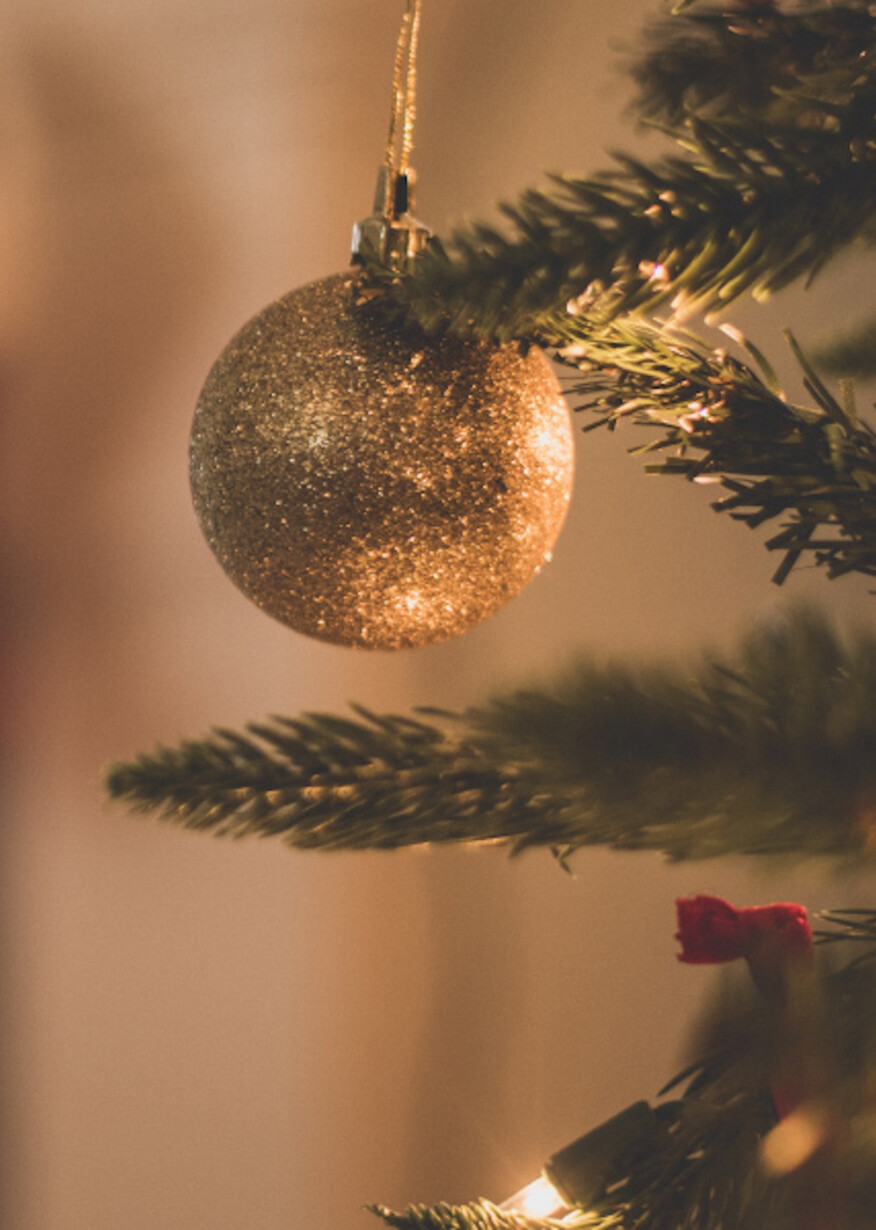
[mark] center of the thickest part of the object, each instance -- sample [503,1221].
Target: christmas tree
[767,752]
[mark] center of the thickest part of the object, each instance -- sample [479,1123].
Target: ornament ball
[374,487]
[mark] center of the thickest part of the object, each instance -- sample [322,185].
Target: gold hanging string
[404,96]
[398,85]
[410,91]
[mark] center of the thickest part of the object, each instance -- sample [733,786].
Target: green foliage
[745,212]
[704,1168]
[759,60]
[777,176]
[701,1172]
[815,468]
[776,113]
[479,1215]
[774,752]
[326,782]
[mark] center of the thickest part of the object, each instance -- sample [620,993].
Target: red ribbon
[776,941]
[711,931]
[773,939]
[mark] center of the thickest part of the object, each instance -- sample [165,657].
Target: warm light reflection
[538,1199]
[793,1141]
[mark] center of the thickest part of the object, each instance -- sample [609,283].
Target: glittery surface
[376,488]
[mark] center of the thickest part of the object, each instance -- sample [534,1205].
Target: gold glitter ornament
[374,487]
[368,485]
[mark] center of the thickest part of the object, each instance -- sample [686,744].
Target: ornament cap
[391,232]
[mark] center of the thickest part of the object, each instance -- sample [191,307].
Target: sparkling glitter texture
[373,487]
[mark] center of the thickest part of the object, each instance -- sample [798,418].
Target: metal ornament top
[393,236]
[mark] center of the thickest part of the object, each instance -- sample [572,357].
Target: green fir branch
[746,212]
[776,115]
[325,782]
[699,1172]
[855,925]
[774,182]
[793,67]
[697,1169]
[773,752]
[478,1215]
[701,1168]
[813,468]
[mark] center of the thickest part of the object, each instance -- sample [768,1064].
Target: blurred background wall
[207,1036]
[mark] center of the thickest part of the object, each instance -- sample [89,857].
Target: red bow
[711,930]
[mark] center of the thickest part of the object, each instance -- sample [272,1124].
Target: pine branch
[324,782]
[815,468]
[697,1170]
[738,217]
[700,1173]
[757,60]
[479,1215]
[857,925]
[765,194]
[776,181]
[772,753]
[703,1168]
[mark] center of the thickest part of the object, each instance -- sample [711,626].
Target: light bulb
[575,1176]
[539,1199]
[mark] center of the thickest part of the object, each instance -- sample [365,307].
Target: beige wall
[200,1036]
